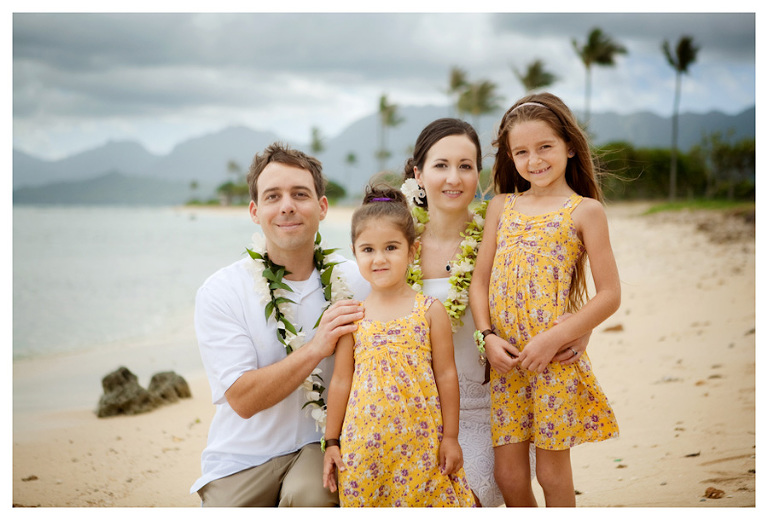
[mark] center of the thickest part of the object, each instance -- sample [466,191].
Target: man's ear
[253,211]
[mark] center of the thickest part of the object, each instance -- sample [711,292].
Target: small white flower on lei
[465,266]
[295,341]
[257,269]
[469,243]
[320,416]
[259,243]
[339,288]
[479,217]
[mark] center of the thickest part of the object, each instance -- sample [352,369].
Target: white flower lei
[268,283]
[462,265]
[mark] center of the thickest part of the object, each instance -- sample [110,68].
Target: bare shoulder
[436,314]
[590,208]
[496,204]
[589,217]
[435,307]
[498,200]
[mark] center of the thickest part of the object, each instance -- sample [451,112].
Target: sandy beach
[677,362]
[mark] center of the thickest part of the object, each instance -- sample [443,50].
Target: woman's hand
[450,457]
[332,462]
[573,351]
[501,354]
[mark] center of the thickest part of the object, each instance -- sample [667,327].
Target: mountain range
[124,172]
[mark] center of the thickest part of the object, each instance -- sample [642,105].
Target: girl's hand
[537,354]
[574,351]
[450,456]
[332,462]
[501,354]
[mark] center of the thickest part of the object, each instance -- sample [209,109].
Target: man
[263,448]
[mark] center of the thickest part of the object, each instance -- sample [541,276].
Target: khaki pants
[293,480]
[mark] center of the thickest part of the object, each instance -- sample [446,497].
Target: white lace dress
[475,411]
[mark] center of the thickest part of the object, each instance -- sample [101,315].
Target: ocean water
[90,277]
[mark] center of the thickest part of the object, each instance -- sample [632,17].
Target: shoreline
[677,362]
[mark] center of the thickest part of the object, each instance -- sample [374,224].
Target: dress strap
[573,201]
[426,301]
[511,199]
[421,305]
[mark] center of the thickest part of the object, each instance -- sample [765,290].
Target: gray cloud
[728,35]
[71,68]
[371,43]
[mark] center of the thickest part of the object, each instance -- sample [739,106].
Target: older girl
[530,270]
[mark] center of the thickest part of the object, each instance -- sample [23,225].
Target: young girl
[393,402]
[530,270]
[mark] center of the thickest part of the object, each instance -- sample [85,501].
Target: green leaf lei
[268,282]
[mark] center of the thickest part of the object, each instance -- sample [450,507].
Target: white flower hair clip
[414,193]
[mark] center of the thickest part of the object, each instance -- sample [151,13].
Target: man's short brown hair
[282,153]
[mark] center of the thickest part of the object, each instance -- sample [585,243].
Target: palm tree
[316,144]
[684,56]
[599,49]
[193,185]
[388,118]
[457,82]
[535,76]
[477,99]
[350,160]
[233,168]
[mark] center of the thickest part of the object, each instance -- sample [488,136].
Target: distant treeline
[715,169]
[236,194]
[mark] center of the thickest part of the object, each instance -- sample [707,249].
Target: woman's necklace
[440,254]
[451,257]
[448,263]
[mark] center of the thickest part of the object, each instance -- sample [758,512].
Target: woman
[441,181]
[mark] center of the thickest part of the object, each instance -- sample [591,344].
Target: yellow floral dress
[393,424]
[531,277]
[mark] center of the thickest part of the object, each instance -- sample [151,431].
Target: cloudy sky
[82,79]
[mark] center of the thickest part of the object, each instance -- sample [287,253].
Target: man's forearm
[259,389]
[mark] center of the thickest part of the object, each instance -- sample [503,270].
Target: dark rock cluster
[124,395]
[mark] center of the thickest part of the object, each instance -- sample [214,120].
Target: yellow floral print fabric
[531,277]
[393,424]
